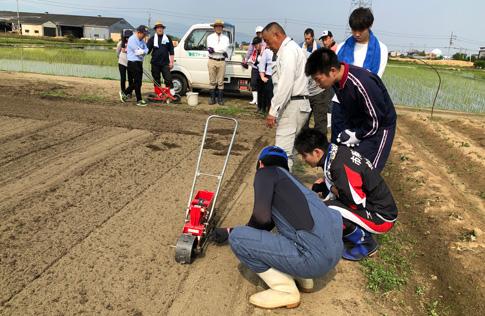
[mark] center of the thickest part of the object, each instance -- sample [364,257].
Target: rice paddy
[408,84]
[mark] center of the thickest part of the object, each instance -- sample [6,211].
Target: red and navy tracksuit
[367,109]
[363,197]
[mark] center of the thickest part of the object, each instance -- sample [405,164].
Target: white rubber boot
[305,285]
[172,92]
[282,291]
[255,98]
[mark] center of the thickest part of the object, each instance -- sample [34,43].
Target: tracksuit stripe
[362,222]
[381,148]
[368,103]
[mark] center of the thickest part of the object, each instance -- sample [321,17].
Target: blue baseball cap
[272,151]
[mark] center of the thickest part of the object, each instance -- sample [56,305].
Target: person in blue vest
[362,49]
[368,113]
[308,242]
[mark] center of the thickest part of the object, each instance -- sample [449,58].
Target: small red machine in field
[161,94]
[200,208]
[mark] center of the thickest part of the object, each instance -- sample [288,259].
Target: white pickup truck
[190,66]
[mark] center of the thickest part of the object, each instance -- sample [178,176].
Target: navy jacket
[366,104]
[160,54]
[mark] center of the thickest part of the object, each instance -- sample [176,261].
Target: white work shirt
[220,43]
[289,76]
[360,51]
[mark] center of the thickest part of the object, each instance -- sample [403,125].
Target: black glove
[225,55]
[220,234]
[320,188]
[245,65]
[210,50]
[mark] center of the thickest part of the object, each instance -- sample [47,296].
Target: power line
[252,20]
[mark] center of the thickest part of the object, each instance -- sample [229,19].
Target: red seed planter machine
[201,204]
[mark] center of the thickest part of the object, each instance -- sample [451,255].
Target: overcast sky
[423,24]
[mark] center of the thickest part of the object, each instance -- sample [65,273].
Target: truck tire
[179,83]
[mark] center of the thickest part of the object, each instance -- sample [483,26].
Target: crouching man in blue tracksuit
[308,242]
[367,113]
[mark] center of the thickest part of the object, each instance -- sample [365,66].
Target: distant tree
[460,56]
[479,63]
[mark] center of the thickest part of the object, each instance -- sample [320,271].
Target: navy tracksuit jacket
[366,109]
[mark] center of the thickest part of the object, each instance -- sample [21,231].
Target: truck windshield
[197,40]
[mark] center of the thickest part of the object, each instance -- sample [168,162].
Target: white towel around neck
[165,40]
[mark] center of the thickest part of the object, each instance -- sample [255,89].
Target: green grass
[388,270]
[62,55]
[228,111]
[57,41]
[90,98]
[53,94]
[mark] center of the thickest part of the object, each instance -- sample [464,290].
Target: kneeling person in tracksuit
[352,186]
[309,239]
[366,109]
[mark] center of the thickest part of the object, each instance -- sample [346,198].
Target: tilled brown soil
[436,173]
[92,200]
[93,193]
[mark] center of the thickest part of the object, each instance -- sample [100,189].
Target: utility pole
[18,19]
[149,19]
[452,38]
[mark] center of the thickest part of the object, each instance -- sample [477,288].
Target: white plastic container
[192,98]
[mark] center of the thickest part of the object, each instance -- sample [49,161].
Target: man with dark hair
[161,47]
[368,114]
[309,239]
[289,106]
[309,44]
[136,49]
[354,188]
[362,49]
[327,40]
[319,98]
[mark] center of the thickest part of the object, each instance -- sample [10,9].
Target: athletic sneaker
[123,97]
[141,103]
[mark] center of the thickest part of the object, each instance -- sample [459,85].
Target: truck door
[196,55]
[230,31]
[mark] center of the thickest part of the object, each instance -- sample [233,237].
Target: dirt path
[91,205]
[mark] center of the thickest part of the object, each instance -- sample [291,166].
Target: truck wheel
[179,84]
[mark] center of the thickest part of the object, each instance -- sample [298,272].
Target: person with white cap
[327,40]
[307,244]
[217,46]
[251,57]
[161,47]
